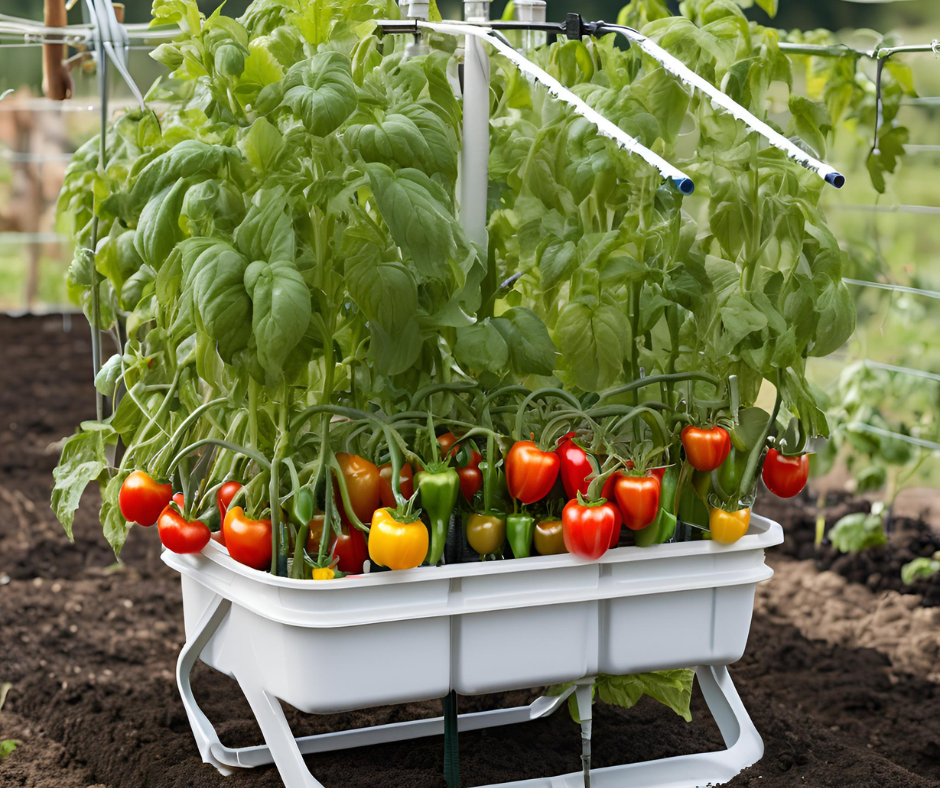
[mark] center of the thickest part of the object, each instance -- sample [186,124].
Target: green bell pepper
[520,531]
[439,491]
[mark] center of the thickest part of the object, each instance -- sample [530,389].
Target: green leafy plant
[279,260]
[921,568]
[672,688]
[8,745]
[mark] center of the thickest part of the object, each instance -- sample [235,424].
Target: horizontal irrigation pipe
[922,148]
[683,182]
[12,239]
[841,50]
[921,210]
[895,288]
[72,105]
[859,426]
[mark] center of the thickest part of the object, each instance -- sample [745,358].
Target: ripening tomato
[550,537]
[405,483]
[575,467]
[785,476]
[452,446]
[638,499]
[363,483]
[471,480]
[728,527]
[351,551]
[588,530]
[224,496]
[179,535]
[142,500]
[706,449]
[395,543]
[530,472]
[248,541]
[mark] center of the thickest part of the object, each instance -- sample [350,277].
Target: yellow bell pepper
[728,527]
[395,544]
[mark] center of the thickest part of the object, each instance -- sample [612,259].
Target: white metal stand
[286,752]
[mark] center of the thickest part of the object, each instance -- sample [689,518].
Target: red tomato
[575,467]
[179,535]
[588,530]
[530,472]
[179,500]
[785,476]
[405,483]
[659,473]
[638,499]
[471,480]
[351,551]
[248,541]
[142,500]
[363,483]
[224,496]
[451,446]
[706,449]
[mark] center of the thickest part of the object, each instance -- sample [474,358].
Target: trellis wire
[897,288]
[916,373]
[859,426]
[928,210]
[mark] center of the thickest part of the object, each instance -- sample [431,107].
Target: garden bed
[90,650]
[878,568]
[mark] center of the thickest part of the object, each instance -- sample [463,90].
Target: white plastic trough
[474,628]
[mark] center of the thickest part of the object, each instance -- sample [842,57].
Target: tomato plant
[281,253]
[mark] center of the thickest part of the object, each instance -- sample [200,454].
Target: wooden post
[55,81]
[119,12]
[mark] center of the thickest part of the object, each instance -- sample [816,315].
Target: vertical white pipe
[475,152]
[530,11]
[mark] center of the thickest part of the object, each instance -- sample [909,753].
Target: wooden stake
[55,79]
[119,12]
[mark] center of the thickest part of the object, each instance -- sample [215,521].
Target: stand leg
[206,737]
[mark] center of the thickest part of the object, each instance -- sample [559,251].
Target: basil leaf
[82,461]
[280,311]
[217,282]
[321,92]
[481,348]
[531,350]
[595,342]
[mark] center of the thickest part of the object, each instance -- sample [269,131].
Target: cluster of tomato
[588,526]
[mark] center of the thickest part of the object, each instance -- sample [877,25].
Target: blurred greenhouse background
[893,238]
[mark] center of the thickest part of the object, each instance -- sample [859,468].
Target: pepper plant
[279,260]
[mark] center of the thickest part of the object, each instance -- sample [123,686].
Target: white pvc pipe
[475,150]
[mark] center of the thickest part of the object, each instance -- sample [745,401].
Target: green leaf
[920,569]
[220,298]
[393,355]
[82,461]
[858,531]
[810,120]
[740,318]
[768,6]
[262,146]
[594,341]
[557,261]
[418,214]
[386,292]
[672,688]
[321,92]
[108,376]
[280,311]
[158,230]
[531,350]
[837,316]
[113,524]
[398,139]
[7,746]
[267,232]
[481,348]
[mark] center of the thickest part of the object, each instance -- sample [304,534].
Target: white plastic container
[474,628]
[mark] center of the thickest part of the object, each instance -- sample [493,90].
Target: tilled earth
[89,648]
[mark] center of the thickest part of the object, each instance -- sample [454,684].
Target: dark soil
[90,650]
[879,568]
